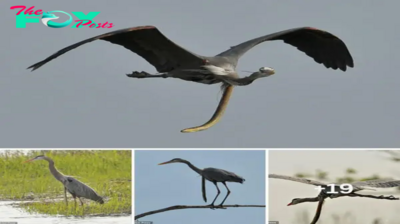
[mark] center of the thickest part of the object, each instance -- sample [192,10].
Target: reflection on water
[10,213]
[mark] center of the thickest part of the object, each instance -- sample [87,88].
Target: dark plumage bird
[171,60]
[213,175]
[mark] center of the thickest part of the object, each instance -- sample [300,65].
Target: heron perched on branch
[326,193]
[76,188]
[213,175]
[173,61]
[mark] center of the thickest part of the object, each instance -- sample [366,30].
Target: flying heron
[76,188]
[172,60]
[213,175]
[325,190]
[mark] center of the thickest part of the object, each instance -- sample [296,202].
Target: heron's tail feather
[100,200]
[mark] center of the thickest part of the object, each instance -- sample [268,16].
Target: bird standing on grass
[76,188]
[213,175]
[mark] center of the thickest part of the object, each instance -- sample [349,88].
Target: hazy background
[159,187]
[84,99]
[367,163]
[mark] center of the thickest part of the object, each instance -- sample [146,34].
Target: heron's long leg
[75,201]
[318,212]
[65,196]
[391,197]
[81,202]
[144,74]
[212,203]
[223,103]
[229,192]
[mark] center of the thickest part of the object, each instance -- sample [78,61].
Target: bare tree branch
[176,207]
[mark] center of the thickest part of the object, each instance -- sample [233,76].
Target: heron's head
[36,158]
[176,160]
[266,71]
[295,201]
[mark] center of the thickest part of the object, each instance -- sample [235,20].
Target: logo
[48,16]
[29,15]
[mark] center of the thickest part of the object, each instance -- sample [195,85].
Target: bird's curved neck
[59,176]
[193,167]
[301,200]
[236,81]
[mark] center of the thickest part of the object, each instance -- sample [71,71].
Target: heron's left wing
[379,183]
[296,179]
[324,47]
[203,188]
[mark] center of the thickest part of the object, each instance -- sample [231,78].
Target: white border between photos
[266,185]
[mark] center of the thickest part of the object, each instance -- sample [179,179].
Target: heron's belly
[198,77]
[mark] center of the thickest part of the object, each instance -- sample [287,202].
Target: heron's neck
[193,167]
[301,200]
[53,169]
[236,81]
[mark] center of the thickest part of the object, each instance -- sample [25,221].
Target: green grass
[108,172]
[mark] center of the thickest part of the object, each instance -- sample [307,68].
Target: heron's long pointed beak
[29,160]
[164,163]
[289,204]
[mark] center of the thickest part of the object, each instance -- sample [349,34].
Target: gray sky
[84,99]
[158,187]
[367,163]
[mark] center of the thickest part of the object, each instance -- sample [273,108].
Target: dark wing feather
[80,189]
[203,188]
[322,46]
[146,41]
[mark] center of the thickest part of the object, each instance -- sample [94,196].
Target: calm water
[9,213]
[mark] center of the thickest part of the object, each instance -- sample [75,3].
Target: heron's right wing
[203,188]
[82,190]
[379,183]
[146,41]
[296,179]
[320,45]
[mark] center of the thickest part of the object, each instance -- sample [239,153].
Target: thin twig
[176,207]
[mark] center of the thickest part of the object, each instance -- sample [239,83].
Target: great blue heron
[171,60]
[76,188]
[325,190]
[213,175]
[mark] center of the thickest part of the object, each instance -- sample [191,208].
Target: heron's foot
[212,206]
[220,206]
[136,74]
[144,74]
[391,197]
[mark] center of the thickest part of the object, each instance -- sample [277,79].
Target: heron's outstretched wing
[322,46]
[379,183]
[297,179]
[146,41]
[80,189]
[203,188]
